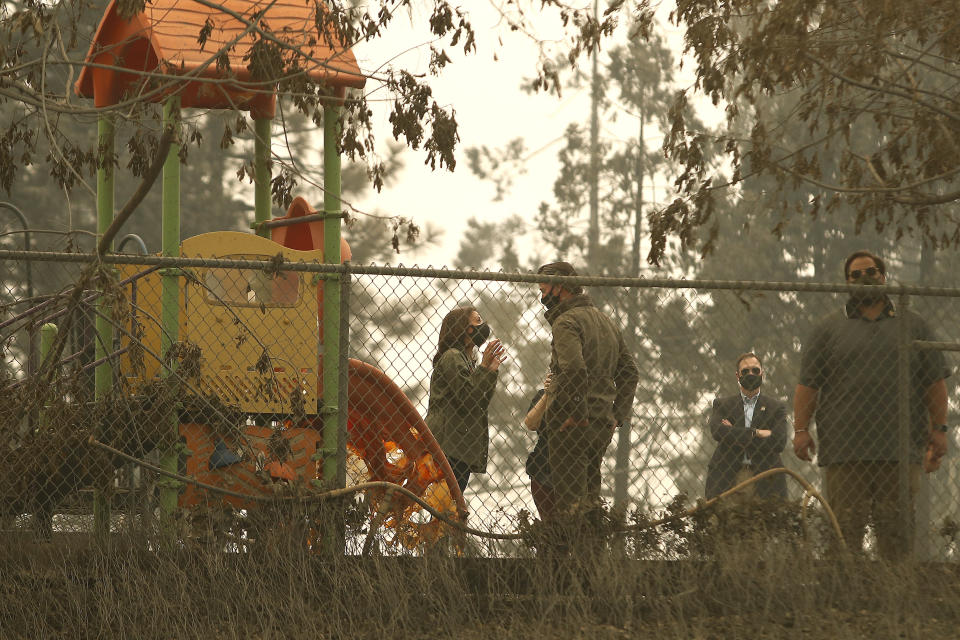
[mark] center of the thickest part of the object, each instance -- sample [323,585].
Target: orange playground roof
[164,38]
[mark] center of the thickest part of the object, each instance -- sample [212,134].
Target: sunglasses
[869,271]
[748,370]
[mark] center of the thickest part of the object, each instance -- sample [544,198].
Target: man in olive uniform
[595,379]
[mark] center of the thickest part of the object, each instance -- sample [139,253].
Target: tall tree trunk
[621,481]
[927,262]
[593,236]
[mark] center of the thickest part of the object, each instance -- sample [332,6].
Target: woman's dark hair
[453,330]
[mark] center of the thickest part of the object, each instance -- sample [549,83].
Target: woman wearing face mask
[460,391]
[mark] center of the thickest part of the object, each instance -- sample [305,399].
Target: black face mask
[751,381]
[549,300]
[859,298]
[481,332]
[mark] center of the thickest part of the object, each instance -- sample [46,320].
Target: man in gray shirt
[849,379]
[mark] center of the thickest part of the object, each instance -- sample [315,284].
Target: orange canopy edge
[165,39]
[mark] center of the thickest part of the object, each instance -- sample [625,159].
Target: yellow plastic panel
[257,331]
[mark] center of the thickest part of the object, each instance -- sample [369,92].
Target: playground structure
[254,346]
[269,345]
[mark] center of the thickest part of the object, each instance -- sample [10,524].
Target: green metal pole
[261,173]
[334,384]
[48,333]
[169,304]
[103,374]
[334,448]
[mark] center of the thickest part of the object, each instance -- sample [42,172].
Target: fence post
[904,347]
[344,369]
[103,374]
[331,288]
[170,314]
[334,405]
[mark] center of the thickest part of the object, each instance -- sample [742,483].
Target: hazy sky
[491,109]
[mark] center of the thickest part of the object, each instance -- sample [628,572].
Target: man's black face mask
[866,297]
[751,381]
[549,300]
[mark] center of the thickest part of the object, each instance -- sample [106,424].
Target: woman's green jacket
[457,415]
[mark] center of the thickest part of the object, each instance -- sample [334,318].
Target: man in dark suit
[751,430]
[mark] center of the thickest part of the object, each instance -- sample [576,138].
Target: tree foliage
[43,47]
[635,88]
[875,86]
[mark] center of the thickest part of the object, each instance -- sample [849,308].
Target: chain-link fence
[129,412]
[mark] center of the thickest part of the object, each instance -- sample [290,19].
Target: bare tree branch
[163,148]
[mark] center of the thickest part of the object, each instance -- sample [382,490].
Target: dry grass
[721,581]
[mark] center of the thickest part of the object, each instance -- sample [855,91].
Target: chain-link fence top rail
[247,360]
